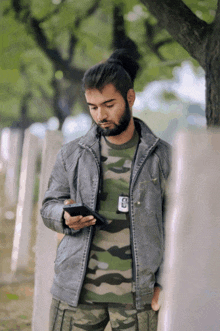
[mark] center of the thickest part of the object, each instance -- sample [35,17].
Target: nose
[101,114]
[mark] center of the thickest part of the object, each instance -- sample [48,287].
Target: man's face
[109,110]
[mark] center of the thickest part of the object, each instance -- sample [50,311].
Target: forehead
[108,92]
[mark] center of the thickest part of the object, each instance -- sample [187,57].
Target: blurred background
[46,46]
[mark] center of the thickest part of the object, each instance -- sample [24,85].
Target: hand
[155,301]
[77,222]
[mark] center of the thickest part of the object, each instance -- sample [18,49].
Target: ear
[131,97]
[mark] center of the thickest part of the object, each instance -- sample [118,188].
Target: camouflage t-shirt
[109,273]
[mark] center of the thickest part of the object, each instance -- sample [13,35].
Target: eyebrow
[103,103]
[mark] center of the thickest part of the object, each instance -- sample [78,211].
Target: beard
[118,128]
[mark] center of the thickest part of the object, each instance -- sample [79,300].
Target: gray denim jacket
[76,175]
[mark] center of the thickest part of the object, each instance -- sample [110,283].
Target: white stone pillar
[191,296]
[12,171]
[46,243]
[4,148]
[22,234]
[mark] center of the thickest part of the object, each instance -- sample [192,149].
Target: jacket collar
[147,138]
[91,137]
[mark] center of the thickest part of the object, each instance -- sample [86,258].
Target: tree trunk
[213,75]
[60,107]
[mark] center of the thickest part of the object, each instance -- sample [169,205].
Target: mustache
[102,122]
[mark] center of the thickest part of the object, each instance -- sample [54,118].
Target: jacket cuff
[158,285]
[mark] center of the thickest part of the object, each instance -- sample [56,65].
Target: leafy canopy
[25,67]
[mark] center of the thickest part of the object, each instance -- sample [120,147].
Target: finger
[80,225]
[69,202]
[156,301]
[87,219]
[70,220]
[89,222]
[155,306]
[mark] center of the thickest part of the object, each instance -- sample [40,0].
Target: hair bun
[115,61]
[125,59]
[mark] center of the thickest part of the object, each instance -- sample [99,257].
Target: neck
[123,137]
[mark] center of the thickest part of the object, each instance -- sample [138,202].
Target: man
[119,168]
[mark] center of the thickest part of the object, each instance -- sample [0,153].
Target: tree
[48,45]
[199,36]
[48,62]
[42,22]
[62,39]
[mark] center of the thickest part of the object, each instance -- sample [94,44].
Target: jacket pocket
[62,250]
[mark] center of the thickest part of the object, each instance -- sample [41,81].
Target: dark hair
[120,70]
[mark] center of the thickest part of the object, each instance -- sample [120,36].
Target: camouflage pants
[95,317]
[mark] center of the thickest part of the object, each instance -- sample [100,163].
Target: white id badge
[123,204]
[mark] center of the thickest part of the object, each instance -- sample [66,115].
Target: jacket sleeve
[159,273]
[165,165]
[53,202]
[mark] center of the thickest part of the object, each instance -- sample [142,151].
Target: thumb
[155,305]
[156,301]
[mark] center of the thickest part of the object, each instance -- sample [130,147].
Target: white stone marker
[22,234]
[4,148]
[46,243]
[191,296]
[12,171]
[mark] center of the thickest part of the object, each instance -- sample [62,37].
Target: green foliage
[38,72]
[158,62]
[204,9]
[96,38]
[169,96]
[18,51]
[40,8]
[25,67]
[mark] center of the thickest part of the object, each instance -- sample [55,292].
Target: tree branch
[72,44]
[92,9]
[89,12]
[78,21]
[120,37]
[53,54]
[163,42]
[212,74]
[54,12]
[41,39]
[183,25]
[45,97]
[154,47]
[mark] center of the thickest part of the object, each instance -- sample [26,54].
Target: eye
[92,108]
[110,106]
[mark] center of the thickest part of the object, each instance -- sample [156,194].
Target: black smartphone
[76,209]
